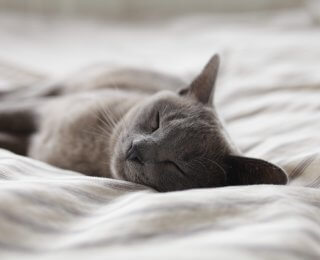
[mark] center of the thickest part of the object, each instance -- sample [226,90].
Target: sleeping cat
[134,125]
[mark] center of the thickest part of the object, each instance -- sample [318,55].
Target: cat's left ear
[202,87]
[249,171]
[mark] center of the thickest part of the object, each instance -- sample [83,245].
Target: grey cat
[134,125]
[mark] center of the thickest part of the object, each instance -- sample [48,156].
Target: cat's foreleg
[15,143]
[18,117]
[18,121]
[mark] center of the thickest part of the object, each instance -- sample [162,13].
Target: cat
[134,125]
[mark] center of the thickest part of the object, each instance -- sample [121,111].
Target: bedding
[269,94]
[49,213]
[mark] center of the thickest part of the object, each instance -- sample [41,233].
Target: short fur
[134,125]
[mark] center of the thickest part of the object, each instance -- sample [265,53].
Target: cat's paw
[17,117]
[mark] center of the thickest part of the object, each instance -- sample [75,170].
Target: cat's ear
[202,87]
[248,171]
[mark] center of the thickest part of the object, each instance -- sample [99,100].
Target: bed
[269,96]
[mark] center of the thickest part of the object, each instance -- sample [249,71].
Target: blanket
[49,213]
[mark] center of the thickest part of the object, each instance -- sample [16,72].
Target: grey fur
[134,125]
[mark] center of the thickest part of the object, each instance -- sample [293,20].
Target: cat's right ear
[249,171]
[202,87]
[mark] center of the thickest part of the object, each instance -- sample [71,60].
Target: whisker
[110,115]
[165,109]
[103,123]
[107,117]
[93,133]
[104,131]
[215,163]
[106,114]
[198,161]
[192,168]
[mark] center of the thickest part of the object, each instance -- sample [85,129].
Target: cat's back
[125,78]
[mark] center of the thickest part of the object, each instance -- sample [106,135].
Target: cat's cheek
[118,164]
[117,159]
[150,175]
[116,171]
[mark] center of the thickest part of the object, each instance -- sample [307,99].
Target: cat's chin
[123,169]
[132,170]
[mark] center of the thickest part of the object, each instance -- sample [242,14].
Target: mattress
[269,96]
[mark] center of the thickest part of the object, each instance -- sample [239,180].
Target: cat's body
[80,138]
[123,124]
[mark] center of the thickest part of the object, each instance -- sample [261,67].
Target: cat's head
[174,141]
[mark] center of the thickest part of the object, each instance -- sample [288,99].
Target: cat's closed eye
[174,167]
[155,123]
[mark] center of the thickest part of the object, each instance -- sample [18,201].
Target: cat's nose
[134,153]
